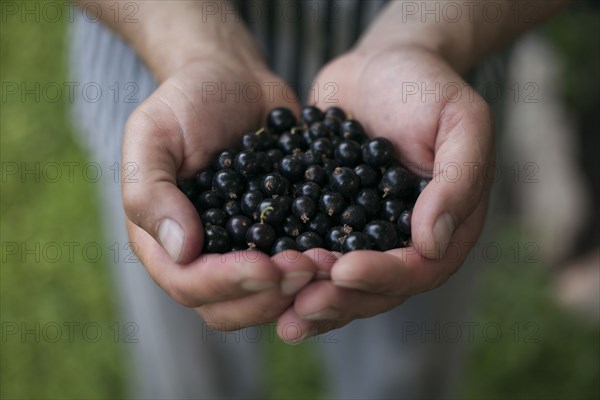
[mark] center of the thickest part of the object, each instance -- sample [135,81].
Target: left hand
[450,128]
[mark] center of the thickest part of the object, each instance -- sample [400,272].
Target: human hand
[174,133]
[433,135]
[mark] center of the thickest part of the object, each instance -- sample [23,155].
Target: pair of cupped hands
[445,133]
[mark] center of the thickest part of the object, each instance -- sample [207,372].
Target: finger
[298,270]
[464,151]
[406,271]
[208,279]
[151,198]
[323,260]
[292,329]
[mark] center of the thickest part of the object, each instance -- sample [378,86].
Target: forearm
[463,31]
[170,34]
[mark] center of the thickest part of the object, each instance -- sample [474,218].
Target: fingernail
[171,238]
[442,231]
[328,313]
[292,282]
[254,285]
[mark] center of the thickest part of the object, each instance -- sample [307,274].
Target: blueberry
[370,200]
[292,226]
[332,203]
[352,129]
[382,234]
[225,159]
[216,239]
[309,240]
[356,241]
[260,236]
[335,236]
[345,181]
[335,113]
[320,223]
[208,199]
[369,177]
[391,209]
[282,244]
[274,184]
[249,203]
[280,120]
[228,184]
[396,181]
[214,216]
[291,167]
[311,190]
[316,174]
[304,208]
[404,222]
[310,115]
[237,227]
[354,216]
[378,152]
[204,178]
[232,207]
[348,153]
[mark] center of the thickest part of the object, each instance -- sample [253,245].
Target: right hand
[170,136]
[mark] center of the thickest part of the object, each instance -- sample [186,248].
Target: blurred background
[541,293]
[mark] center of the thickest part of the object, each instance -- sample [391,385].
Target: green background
[561,362]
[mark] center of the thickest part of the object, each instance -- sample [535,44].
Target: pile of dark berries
[320,183]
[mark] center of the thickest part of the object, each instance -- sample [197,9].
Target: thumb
[464,154]
[151,198]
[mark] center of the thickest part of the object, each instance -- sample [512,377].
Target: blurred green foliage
[563,363]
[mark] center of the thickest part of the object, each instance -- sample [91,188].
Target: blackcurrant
[204,178]
[274,184]
[216,239]
[208,199]
[316,174]
[292,226]
[290,142]
[311,190]
[348,153]
[378,152]
[282,244]
[318,130]
[254,184]
[345,181]
[291,167]
[332,203]
[369,177]
[246,163]
[355,216]
[404,222]
[382,234]
[309,240]
[312,157]
[190,188]
[333,125]
[310,115]
[396,181]
[260,236]
[228,184]
[370,200]
[304,208]
[232,207]
[280,120]
[249,203]
[214,216]
[320,223]
[335,236]
[391,209]
[336,113]
[236,227]
[225,159]
[270,211]
[323,146]
[352,129]
[355,241]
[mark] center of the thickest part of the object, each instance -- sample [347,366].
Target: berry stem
[262,214]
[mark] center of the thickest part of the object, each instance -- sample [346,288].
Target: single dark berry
[369,177]
[320,223]
[330,165]
[275,155]
[312,157]
[225,159]
[253,184]
[332,203]
[304,208]
[247,163]
[348,153]
[292,226]
[228,184]
[345,181]
[204,178]
[264,162]
[260,236]
[311,190]
[404,223]
[336,113]
[249,203]
[352,129]
[335,236]
[310,115]
[305,135]
[309,240]
[323,146]
[214,216]
[382,234]
[280,120]
[285,203]
[290,142]
[283,244]
[316,174]
[232,207]
[391,209]
[378,152]
[370,200]
[274,184]
[396,181]
[333,125]
[216,240]
[318,130]
[291,167]
[356,241]
[237,227]
[190,188]
[355,216]
[422,184]
[208,199]
[270,211]
[260,140]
